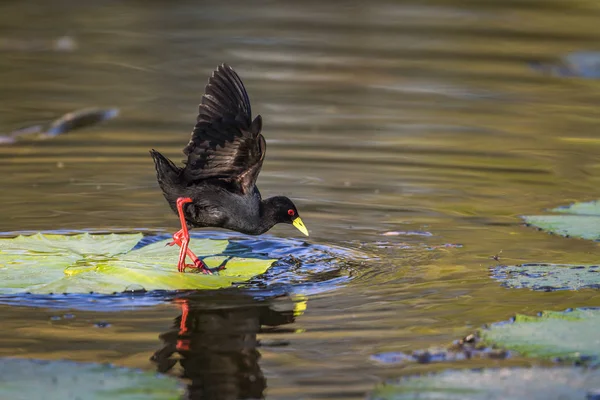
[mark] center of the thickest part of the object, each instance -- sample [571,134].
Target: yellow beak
[300,225]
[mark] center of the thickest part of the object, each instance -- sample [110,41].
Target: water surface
[420,118]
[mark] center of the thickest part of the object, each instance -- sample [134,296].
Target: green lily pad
[548,277]
[580,220]
[83,263]
[569,335]
[22,379]
[496,384]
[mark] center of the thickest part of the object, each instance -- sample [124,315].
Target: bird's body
[217,185]
[214,204]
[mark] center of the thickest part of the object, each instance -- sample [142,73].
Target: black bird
[217,185]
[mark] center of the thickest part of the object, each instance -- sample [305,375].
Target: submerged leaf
[548,277]
[437,355]
[109,263]
[22,379]
[587,208]
[569,335]
[581,220]
[583,64]
[495,384]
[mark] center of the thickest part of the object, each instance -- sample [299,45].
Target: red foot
[182,239]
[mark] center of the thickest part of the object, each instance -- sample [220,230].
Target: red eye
[291,212]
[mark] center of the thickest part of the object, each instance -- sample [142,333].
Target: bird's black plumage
[224,157]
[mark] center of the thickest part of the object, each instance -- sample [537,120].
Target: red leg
[177,241]
[197,262]
[182,239]
[183,344]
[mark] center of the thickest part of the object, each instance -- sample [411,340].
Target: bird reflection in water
[214,340]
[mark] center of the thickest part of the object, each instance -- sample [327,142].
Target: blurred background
[413,132]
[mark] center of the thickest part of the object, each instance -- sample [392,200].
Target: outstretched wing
[226,144]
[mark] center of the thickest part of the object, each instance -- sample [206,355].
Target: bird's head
[284,211]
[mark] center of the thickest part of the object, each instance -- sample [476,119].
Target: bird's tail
[166,172]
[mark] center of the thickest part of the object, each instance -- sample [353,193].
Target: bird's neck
[267,215]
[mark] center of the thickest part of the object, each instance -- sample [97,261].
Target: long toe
[220,267]
[202,267]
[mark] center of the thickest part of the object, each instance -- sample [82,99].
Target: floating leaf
[495,384]
[581,220]
[22,379]
[110,263]
[569,335]
[548,277]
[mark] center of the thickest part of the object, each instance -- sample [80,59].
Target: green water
[404,117]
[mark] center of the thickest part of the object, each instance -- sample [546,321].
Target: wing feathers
[226,143]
